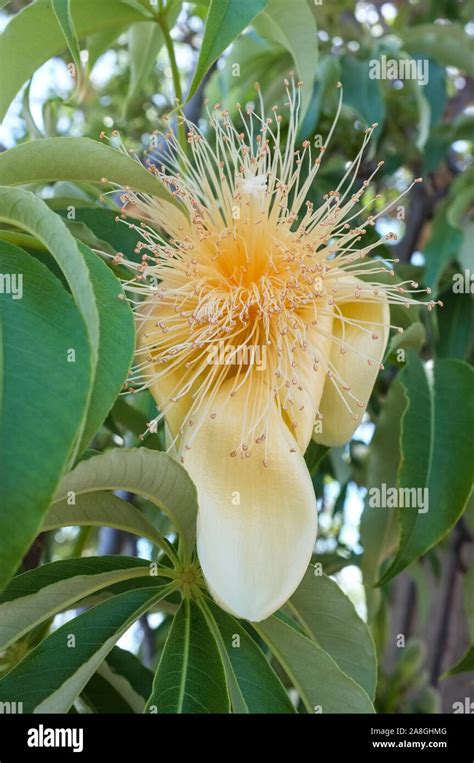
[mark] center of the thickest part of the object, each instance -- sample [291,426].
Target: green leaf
[62,11]
[98,43]
[461,200]
[435,90]
[120,685]
[154,475]
[82,233]
[190,677]
[36,31]
[37,595]
[442,135]
[103,224]
[51,677]
[465,664]
[446,43]
[101,509]
[424,115]
[436,443]
[116,343]
[469,596]
[43,397]
[145,41]
[293,26]
[314,455]
[328,74]
[226,19]
[455,326]
[259,61]
[131,419]
[31,125]
[362,93]
[78,159]
[334,562]
[24,210]
[328,617]
[413,336]
[96,291]
[253,686]
[321,684]
[442,247]
[465,255]
[379,528]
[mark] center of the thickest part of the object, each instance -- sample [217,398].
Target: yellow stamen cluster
[249,267]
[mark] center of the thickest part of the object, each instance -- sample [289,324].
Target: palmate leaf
[37,595]
[51,677]
[321,684]
[436,446]
[43,398]
[328,616]
[253,685]
[190,677]
[152,474]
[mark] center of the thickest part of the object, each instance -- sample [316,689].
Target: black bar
[134,737]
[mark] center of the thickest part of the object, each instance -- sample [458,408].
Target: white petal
[256,525]
[170,381]
[338,423]
[309,376]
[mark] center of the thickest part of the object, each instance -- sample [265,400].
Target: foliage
[67,346]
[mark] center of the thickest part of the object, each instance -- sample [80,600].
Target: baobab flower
[247,262]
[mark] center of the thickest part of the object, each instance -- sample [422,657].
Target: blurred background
[425,130]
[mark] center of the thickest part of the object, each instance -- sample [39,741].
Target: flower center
[249,288]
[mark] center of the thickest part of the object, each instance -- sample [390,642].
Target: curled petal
[360,331]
